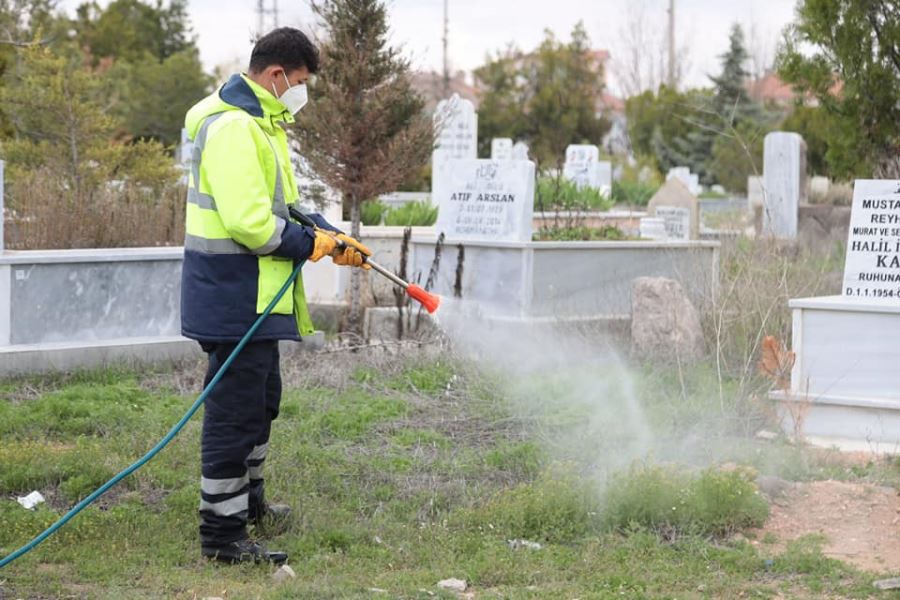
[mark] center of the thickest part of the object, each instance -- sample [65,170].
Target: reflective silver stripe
[214,246]
[279,208]
[195,196]
[272,244]
[255,472]
[223,486]
[200,199]
[259,452]
[199,145]
[228,507]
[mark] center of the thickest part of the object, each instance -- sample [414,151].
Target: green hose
[163,442]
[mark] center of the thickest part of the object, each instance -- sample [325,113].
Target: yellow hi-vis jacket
[240,244]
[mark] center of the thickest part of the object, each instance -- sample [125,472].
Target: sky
[478,27]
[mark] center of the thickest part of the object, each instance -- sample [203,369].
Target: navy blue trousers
[237,419]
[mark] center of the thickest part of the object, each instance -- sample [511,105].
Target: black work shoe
[243,551]
[273,518]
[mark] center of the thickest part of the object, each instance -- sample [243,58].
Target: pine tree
[365,130]
[731,97]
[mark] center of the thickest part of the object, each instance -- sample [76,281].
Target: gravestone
[819,186]
[520,151]
[2,206]
[679,209]
[690,180]
[458,123]
[605,177]
[501,149]
[485,200]
[784,173]
[583,167]
[755,194]
[872,268]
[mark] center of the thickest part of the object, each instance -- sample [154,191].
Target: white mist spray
[574,389]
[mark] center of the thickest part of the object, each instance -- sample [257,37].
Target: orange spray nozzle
[431,302]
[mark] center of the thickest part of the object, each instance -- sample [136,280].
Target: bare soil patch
[860,522]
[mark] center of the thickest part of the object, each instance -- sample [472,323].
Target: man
[240,248]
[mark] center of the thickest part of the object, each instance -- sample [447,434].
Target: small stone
[519,544]
[284,573]
[888,584]
[454,585]
[768,436]
[773,487]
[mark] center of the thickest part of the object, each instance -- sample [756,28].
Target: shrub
[579,234]
[560,506]
[635,193]
[372,212]
[45,215]
[556,193]
[412,214]
[671,501]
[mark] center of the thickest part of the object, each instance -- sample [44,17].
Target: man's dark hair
[287,47]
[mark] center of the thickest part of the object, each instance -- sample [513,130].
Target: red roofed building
[770,89]
[430,85]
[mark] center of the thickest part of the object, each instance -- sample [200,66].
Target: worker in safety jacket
[240,247]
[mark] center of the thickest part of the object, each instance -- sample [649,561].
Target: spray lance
[431,302]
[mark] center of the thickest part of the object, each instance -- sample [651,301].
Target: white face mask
[294,98]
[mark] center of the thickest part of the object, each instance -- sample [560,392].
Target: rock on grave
[501,149]
[678,208]
[665,325]
[784,173]
[485,200]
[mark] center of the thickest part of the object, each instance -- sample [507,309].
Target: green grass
[420,213]
[671,501]
[400,477]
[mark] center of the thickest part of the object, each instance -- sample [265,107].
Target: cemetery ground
[407,468]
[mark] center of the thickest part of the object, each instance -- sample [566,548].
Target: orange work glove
[325,245]
[354,255]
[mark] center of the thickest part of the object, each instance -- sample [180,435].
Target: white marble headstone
[458,122]
[872,268]
[583,166]
[501,149]
[489,200]
[755,193]
[520,151]
[784,173]
[690,180]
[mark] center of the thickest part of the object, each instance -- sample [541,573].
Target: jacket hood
[238,93]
